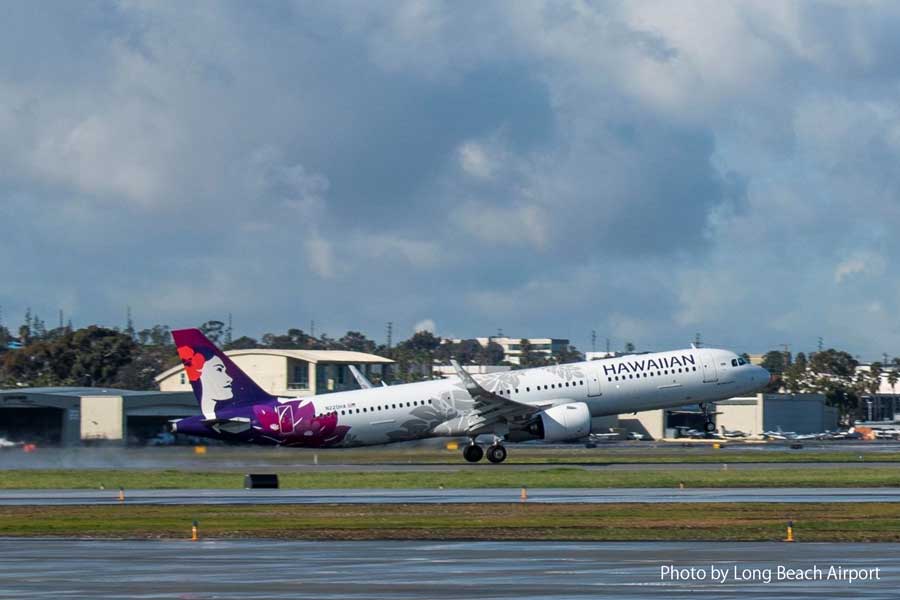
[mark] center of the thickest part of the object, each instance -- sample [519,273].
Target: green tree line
[97,356]
[831,372]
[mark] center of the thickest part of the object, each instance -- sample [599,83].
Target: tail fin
[218,383]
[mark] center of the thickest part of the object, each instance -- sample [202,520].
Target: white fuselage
[612,386]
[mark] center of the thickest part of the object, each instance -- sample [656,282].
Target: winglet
[361,379]
[471,385]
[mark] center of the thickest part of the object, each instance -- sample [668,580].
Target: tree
[295,339]
[892,379]
[836,363]
[214,330]
[569,354]
[527,356]
[775,361]
[93,356]
[422,341]
[356,342]
[158,335]
[831,372]
[873,379]
[491,354]
[629,347]
[242,343]
[5,339]
[794,377]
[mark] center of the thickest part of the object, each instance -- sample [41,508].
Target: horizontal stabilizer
[235,425]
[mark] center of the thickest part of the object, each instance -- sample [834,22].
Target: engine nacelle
[562,423]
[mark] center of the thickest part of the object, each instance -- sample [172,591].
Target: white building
[512,347]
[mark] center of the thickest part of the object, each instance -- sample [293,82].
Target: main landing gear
[473,453]
[496,453]
[709,425]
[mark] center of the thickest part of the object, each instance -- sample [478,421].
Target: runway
[31,568]
[448,496]
[608,456]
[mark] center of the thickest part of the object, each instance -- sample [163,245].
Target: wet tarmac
[449,496]
[404,458]
[43,568]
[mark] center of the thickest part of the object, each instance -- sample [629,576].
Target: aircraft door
[285,418]
[593,382]
[709,366]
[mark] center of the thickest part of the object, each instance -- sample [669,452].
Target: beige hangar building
[291,372]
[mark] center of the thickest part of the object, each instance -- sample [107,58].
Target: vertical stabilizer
[217,382]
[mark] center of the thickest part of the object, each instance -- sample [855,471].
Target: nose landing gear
[709,426]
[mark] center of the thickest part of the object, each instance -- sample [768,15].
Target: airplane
[732,433]
[778,434]
[552,403]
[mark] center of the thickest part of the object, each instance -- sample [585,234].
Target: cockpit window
[741,361]
[734,362]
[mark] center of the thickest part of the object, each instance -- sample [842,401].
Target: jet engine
[562,423]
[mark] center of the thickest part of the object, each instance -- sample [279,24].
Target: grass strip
[813,522]
[570,477]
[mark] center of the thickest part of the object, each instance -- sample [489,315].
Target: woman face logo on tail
[215,380]
[204,367]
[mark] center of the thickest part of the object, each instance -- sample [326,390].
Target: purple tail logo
[217,382]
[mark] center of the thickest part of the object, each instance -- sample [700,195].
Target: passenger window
[528,389]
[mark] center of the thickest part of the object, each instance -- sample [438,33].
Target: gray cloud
[640,169]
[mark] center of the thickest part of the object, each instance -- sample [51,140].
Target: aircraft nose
[764,376]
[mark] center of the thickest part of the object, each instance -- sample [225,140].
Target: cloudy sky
[647,170]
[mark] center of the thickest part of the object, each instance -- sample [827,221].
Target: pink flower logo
[193,362]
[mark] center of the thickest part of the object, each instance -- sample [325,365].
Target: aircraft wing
[361,379]
[490,408]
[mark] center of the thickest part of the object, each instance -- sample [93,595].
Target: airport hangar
[74,415]
[751,415]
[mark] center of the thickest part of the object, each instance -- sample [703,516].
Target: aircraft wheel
[710,427]
[496,454]
[473,453]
